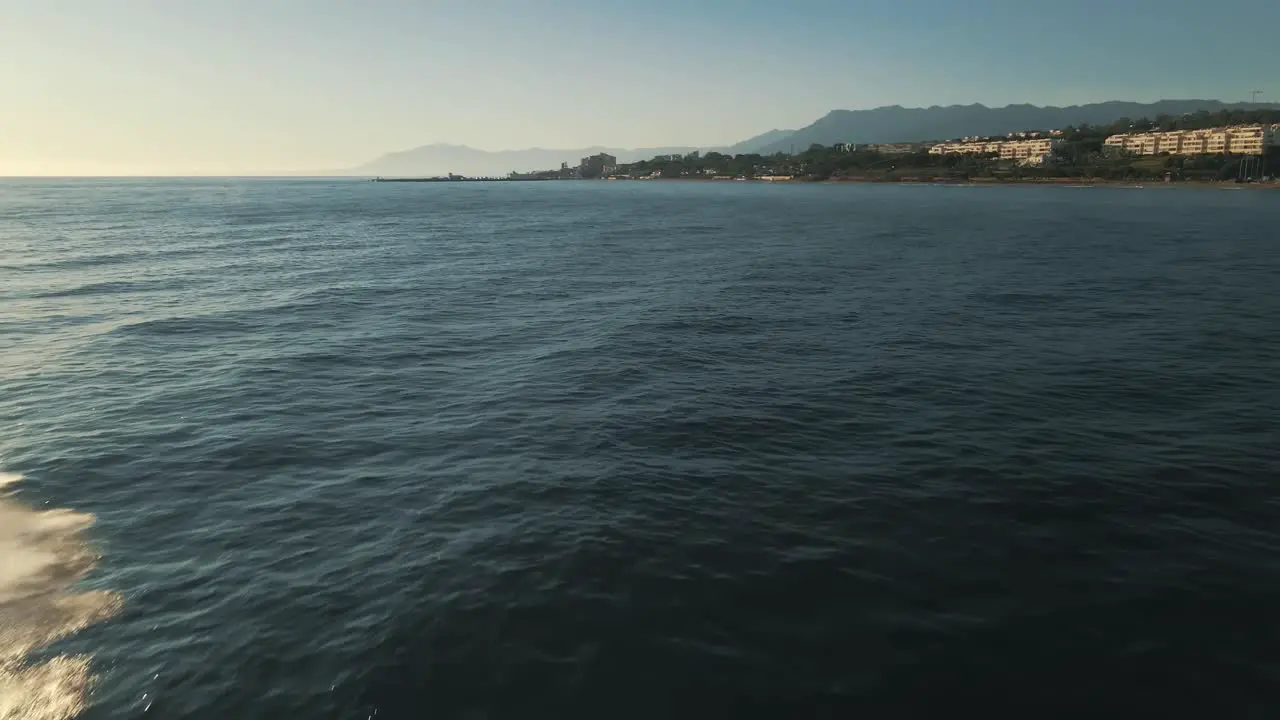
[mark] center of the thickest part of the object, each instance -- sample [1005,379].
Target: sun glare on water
[42,556]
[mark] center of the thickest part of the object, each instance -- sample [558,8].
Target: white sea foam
[42,556]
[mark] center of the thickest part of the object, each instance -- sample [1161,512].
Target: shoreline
[1075,183]
[1063,182]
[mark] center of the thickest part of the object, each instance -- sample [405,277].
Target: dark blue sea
[338,449]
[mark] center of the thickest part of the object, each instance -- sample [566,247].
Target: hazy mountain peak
[443,158]
[754,145]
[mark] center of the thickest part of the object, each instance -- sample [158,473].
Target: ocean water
[336,449]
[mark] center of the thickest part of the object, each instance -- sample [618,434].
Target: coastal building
[1234,140]
[1033,150]
[598,165]
[894,148]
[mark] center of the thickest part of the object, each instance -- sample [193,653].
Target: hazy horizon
[162,88]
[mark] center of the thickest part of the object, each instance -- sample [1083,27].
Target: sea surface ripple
[637,450]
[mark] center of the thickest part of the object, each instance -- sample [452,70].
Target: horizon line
[181,176]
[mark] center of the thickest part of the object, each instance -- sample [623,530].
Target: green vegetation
[711,164]
[1082,155]
[1195,121]
[817,162]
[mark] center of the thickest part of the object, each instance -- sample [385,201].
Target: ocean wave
[42,556]
[81,262]
[106,288]
[195,325]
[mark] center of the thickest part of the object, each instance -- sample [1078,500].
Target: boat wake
[42,556]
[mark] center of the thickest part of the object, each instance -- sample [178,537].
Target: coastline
[1074,183]
[1077,183]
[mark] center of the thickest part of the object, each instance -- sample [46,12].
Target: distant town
[1235,146]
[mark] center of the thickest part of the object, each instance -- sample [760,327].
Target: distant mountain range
[441,159]
[898,124]
[881,125]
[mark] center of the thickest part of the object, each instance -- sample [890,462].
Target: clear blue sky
[226,86]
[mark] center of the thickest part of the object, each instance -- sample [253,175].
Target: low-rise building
[598,165]
[1032,150]
[1234,140]
[894,148]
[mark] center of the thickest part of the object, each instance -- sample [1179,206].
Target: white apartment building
[1029,151]
[1237,140]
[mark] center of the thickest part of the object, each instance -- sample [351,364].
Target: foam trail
[42,556]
